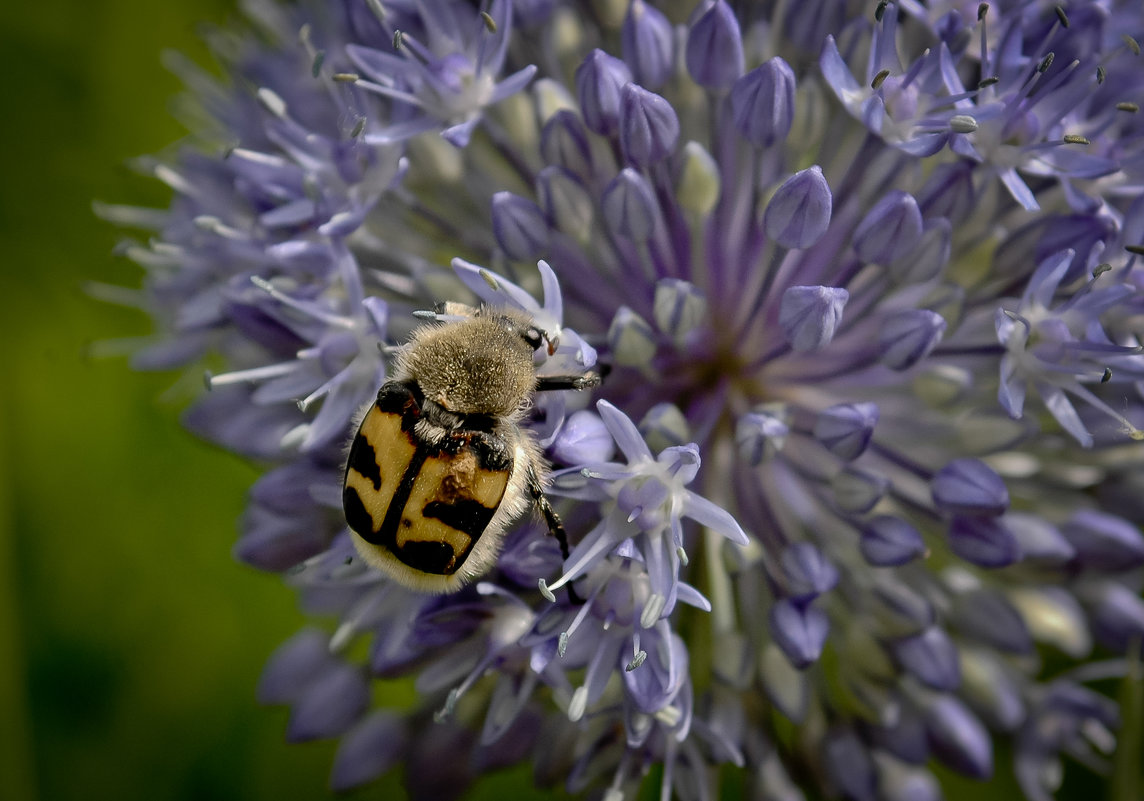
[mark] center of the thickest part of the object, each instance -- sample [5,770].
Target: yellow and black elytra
[439,467]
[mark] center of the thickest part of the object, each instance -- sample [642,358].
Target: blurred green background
[130,641]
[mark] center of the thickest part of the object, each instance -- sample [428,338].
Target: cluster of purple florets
[866,283]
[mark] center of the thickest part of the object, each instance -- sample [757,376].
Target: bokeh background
[130,642]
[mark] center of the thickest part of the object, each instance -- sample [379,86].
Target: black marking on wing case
[464,515]
[387,534]
[429,557]
[364,460]
[360,521]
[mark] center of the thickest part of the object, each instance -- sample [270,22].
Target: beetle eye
[533,337]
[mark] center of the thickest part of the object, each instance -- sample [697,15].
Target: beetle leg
[546,383]
[555,526]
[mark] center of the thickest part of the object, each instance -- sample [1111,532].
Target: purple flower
[868,320]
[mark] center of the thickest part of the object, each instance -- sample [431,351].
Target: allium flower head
[865,289]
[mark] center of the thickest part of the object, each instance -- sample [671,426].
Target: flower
[819,303]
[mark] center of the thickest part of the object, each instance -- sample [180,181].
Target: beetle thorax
[474,366]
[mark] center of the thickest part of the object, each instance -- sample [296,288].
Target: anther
[637,660]
[377,8]
[398,40]
[319,60]
[491,280]
[562,644]
[272,102]
[450,703]
[346,77]
[1101,269]
[1076,139]
[982,10]
[1100,74]
[1104,379]
[578,704]
[992,79]
[652,610]
[359,126]
[1137,250]
[962,124]
[1132,44]
[880,10]
[1062,17]
[490,23]
[542,585]
[1046,62]
[1131,108]
[879,79]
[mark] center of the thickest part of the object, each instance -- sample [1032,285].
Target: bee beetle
[440,467]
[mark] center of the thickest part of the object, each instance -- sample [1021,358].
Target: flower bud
[519,226]
[808,315]
[646,40]
[714,52]
[799,213]
[664,426]
[890,541]
[799,630]
[584,439]
[984,541]
[958,739]
[649,127]
[890,230]
[631,339]
[988,617]
[969,487]
[1117,615]
[679,309]
[909,336]
[629,206]
[857,491]
[761,434]
[931,657]
[566,202]
[762,103]
[1103,541]
[809,573]
[564,143]
[845,429]
[598,82]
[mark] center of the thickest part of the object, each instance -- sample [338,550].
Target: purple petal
[368,750]
[329,705]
